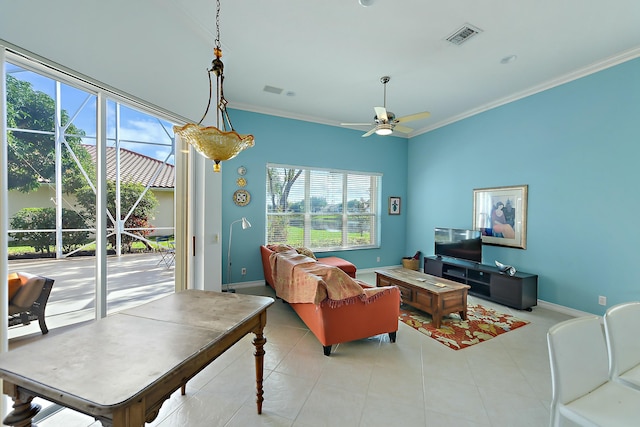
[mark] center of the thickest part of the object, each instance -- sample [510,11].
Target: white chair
[166,247]
[621,326]
[582,392]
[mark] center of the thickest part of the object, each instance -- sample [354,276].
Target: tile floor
[416,381]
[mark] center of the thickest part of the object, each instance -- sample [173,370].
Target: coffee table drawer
[453,302]
[405,292]
[425,299]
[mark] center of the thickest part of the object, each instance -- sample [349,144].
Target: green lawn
[321,238]
[136,246]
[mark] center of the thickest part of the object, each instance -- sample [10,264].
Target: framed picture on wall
[394,205]
[500,213]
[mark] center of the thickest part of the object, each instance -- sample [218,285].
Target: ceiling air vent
[272,89]
[463,34]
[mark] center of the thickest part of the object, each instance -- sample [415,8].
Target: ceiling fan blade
[369,133]
[402,129]
[412,117]
[355,124]
[381,113]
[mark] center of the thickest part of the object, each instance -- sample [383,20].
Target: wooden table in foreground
[435,295]
[121,369]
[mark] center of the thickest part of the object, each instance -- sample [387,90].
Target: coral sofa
[333,305]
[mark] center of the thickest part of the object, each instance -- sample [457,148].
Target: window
[322,209]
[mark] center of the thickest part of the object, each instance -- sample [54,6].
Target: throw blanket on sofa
[300,279]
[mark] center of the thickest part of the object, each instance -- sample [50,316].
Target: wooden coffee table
[435,295]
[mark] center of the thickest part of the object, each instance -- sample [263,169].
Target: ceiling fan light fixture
[384,129]
[385,122]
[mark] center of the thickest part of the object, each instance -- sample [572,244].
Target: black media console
[519,291]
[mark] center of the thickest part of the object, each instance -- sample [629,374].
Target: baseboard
[562,309]
[251,284]
[373,270]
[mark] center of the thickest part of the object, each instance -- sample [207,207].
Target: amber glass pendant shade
[213,143]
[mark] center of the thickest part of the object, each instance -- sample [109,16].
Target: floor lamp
[245,224]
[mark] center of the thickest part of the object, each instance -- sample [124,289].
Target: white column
[4,225]
[182,214]
[101,206]
[58,169]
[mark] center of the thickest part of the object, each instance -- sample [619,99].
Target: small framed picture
[394,205]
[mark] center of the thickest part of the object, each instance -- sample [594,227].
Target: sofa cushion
[342,264]
[306,252]
[14,284]
[279,248]
[28,292]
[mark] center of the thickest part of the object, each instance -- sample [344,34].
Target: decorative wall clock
[241,197]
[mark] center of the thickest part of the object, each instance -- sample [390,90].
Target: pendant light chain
[218,24]
[217,67]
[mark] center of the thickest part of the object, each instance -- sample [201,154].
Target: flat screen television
[458,243]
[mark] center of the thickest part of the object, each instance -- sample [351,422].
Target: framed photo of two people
[500,213]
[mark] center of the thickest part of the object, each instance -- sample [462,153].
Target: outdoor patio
[132,279]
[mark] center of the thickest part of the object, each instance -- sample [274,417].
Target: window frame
[374,211]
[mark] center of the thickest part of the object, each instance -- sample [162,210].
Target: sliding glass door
[53,157]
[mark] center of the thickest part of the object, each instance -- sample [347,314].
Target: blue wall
[577,147]
[299,143]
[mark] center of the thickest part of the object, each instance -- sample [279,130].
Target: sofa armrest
[265,253]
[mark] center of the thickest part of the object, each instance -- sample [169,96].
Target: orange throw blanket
[300,279]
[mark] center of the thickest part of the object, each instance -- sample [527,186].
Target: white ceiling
[329,53]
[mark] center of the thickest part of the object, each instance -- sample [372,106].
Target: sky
[144,134]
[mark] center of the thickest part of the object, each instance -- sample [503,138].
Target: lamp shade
[213,143]
[245,223]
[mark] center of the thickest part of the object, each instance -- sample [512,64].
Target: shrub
[45,219]
[143,207]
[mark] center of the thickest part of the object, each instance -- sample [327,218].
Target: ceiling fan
[385,122]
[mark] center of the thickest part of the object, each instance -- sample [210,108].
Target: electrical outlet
[378,259]
[602,300]
[243,271]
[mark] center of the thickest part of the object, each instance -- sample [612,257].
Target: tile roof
[136,167]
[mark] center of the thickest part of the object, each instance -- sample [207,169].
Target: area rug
[482,324]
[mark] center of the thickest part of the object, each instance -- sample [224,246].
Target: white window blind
[322,209]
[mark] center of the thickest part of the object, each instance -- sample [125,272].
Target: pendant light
[215,142]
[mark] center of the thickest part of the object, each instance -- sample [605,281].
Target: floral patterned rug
[482,324]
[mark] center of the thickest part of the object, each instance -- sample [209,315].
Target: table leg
[437,320]
[437,311]
[259,342]
[23,412]
[463,313]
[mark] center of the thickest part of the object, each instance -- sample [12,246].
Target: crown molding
[612,61]
[566,78]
